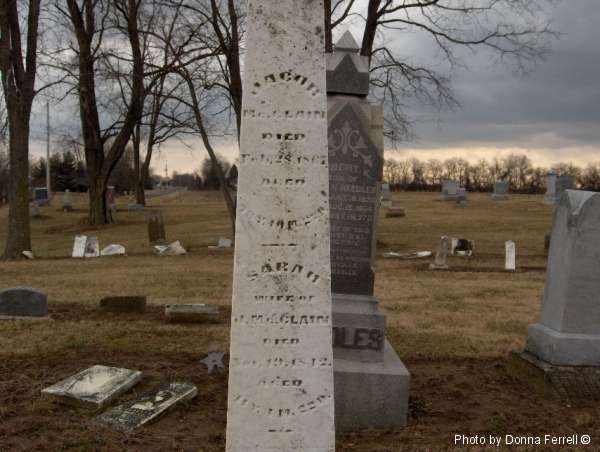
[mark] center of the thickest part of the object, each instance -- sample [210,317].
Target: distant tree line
[414,174]
[68,172]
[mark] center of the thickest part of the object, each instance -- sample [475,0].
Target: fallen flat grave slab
[123,304]
[113,250]
[94,387]
[174,249]
[191,312]
[409,256]
[138,412]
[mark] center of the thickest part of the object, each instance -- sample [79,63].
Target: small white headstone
[79,246]
[96,386]
[511,256]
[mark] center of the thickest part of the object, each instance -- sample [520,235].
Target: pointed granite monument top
[347,43]
[347,70]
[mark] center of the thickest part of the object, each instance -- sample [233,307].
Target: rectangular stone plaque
[96,386]
[281,373]
[148,407]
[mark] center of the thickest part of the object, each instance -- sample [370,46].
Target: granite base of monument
[565,383]
[563,348]
[371,395]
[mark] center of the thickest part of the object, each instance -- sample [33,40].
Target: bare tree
[18,65]
[91,21]
[509,29]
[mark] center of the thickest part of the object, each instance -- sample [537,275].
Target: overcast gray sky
[552,114]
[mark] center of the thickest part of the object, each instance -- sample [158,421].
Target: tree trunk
[140,197]
[19,236]
[370,28]
[328,32]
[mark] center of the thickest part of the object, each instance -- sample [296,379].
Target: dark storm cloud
[556,106]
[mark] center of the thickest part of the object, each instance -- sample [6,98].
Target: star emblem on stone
[214,360]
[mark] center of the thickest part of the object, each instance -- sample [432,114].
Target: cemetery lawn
[453,329]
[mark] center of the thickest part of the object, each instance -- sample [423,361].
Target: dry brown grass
[453,329]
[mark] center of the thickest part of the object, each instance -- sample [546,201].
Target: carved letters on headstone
[280,372]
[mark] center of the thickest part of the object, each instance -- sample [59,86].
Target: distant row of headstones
[556,186]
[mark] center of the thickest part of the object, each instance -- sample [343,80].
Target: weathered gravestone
[501,189]
[148,407]
[450,190]
[41,196]
[281,360]
[113,250]
[550,197]
[193,312]
[23,302]
[156,227]
[94,387]
[556,186]
[562,355]
[386,196]
[511,256]
[441,258]
[92,247]
[371,383]
[67,203]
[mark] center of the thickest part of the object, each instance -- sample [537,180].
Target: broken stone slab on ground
[462,247]
[123,304]
[23,303]
[191,312]
[223,243]
[94,387]
[113,250]
[138,412]
[174,249]
[409,256]
[28,255]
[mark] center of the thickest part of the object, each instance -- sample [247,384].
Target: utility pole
[48,187]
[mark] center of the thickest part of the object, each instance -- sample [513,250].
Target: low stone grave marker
[441,258]
[28,254]
[123,304]
[94,387]
[223,244]
[22,303]
[501,190]
[191,312]
[113,250]
[511,256]
[138,412]
[409,256]
[395,212]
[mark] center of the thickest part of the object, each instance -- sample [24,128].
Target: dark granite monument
[371,383]
[41,196]
[23,302]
